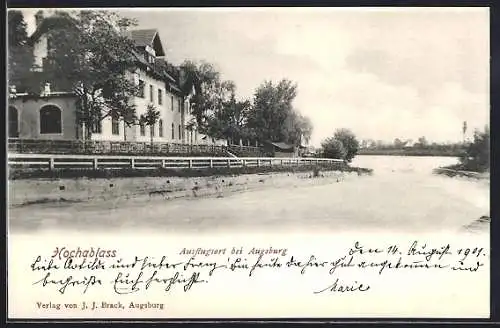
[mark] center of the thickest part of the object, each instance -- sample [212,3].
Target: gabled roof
[148,37]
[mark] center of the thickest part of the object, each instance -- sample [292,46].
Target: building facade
[52,115]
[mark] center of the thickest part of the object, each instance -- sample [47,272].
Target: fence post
[132,163]
[211,163]
[244,162]
[96,164]
[163,163]
[258,163]
[51,163]
[229,163]
[190,163]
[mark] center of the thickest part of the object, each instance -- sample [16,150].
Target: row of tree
[269,116]
[95,60]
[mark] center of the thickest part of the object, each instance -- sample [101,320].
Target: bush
[343,145]
[333,148]
[477,154]
[349,141]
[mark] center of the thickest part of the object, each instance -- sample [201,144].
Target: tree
[477,153]
[349,141]
[272,105]
[422,142]
[298,129]
[150,118]
[233,120]
[398,143]
[333,148]
[95,60]
[20,56]
[212,94]
[229,120]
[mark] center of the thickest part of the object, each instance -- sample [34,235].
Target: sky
[384,73]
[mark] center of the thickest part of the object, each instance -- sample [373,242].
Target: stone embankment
[25,192]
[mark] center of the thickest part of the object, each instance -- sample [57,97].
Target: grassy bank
[18,174]
[460,170]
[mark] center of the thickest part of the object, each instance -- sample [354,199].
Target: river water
[401,196]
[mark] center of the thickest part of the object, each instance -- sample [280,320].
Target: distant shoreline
[398,152]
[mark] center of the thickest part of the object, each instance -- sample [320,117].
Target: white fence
[54,162]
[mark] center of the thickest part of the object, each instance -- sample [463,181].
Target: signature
[341,287]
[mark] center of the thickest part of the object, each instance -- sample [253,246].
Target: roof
[147,37]
[143,37]
[59,20]
[282,145]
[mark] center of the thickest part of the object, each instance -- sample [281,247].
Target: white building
[53,116]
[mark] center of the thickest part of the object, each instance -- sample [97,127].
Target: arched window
[13,122]
[50,120]
[173,131]
[160,128]
[153,129]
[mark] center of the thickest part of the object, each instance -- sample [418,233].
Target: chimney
[38,18]
[46,90]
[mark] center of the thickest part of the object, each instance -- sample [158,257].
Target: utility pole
[464,130]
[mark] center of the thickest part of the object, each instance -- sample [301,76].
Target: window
[143,129]
[50,45]
[173,131]
[50,120]
[151,93]
[13,122]
[172,102]
[115,125]
[97,128]
[142,87]
[160,128]
[180,132]
[160,100]
[179,104]
[153,127]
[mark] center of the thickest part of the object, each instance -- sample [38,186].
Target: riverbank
[461,172]
[59,191]
[408,152]
[105,173]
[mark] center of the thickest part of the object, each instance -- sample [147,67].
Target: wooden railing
[54,162]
